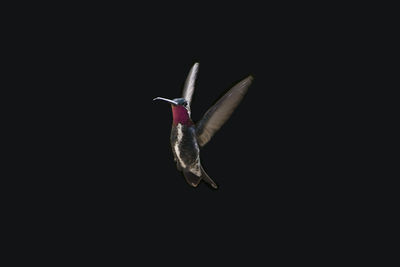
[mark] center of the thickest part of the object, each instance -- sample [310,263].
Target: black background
[265,157]
[107,157]
[128,135]
[106,72]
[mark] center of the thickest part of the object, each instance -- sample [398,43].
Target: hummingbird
[187,137]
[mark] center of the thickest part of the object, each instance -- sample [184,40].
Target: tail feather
[194,180]
[207,178]
[191,179]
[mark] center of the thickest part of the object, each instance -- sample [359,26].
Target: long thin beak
[166,99]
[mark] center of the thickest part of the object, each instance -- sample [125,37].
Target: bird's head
[180,110]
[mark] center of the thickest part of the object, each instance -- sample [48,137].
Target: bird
[188,137]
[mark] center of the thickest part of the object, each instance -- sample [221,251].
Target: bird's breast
[184,145]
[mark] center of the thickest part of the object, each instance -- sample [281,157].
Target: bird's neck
[180,115]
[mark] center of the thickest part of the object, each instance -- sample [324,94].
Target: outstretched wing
[220,112]
[188,88]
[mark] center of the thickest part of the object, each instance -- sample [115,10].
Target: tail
[194,180]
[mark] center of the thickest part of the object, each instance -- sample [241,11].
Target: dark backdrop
[120,138]
[110,157]
[262,158]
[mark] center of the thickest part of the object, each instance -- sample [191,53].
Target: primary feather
[220,112]
[188,88]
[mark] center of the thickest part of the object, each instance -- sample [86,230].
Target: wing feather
[220,112]
[188,88]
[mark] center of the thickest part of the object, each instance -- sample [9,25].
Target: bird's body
[185,148]
[187,137]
